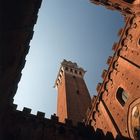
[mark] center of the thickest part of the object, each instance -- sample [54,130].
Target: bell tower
[73,96]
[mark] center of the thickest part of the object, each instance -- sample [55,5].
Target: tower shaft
[73,95]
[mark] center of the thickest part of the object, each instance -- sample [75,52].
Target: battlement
[26,112]
[112,60]
[71,68]
[28,124]
[78,128]
[124,6]
[68,65]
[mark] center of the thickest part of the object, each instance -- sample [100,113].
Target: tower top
[71,68]
[70,64]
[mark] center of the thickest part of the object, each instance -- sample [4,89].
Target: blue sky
[75,30]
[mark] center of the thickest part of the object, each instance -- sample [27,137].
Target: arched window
[135,121]
[80,73]
[121,96]
[71,70]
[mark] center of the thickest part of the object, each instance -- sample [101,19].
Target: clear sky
[75,30]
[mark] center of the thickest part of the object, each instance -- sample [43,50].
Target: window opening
[121,96]
[66,68]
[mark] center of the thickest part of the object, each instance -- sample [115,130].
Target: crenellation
[119,5]
[14,106]
[88,111]
[70,68]
[109,60]
[40,115]
[104,74]
[26,111]
[54,118]
[99,85]
[115,47]
[93,116]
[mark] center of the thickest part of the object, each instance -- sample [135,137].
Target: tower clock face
[135,121]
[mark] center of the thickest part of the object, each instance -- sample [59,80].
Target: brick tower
[73,95]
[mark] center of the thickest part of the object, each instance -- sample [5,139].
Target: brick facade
[112,108]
